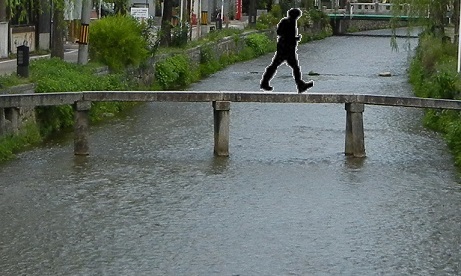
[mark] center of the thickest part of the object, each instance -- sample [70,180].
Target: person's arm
[281,29]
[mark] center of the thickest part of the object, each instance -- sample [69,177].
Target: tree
[432,14]
[21,11]
[59,25]
[3,10]
[165,39]
[120,6]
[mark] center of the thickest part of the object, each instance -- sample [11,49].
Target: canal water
[151,199]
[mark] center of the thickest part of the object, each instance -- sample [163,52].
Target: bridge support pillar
[339,26]
[81,127]
[355,138]
[221,115]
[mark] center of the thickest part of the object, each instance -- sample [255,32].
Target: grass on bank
[11,144]
[433,74]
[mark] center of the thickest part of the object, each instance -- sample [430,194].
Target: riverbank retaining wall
[366,25]
[342,27]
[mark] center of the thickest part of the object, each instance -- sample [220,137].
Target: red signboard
[238,9]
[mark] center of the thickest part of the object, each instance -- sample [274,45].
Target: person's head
[294,13]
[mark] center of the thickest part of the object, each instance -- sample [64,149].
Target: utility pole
[84,29]
[204,17]
[252,13]
[3,30]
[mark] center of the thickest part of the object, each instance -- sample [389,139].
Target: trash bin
[23,61]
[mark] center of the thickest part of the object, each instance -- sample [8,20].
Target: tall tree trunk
[166,22]
[120,7]
[3,11]
[57,43]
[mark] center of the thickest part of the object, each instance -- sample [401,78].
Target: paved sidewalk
[9,66]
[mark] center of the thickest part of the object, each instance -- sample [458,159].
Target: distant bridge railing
[368,8]
[221,101]
[373,8]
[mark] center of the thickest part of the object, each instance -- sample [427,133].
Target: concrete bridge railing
[221,103]
[368,8]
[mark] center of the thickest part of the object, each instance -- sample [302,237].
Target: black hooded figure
[287,32]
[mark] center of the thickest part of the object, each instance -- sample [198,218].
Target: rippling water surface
[151,199]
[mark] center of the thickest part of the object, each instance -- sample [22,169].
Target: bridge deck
[61,98]
[354,105]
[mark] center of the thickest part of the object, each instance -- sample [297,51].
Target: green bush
[260,44]
[118,42]
[174,72]
[305,20]
[209,63]
[179,36]
[266,21]
[151,34]
[276,12]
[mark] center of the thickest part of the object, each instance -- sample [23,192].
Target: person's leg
[301,85]
[293,63]
[270,72]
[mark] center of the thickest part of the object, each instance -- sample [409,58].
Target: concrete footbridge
[221,104]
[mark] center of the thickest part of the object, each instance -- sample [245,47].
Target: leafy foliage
[259,43]
[118,42]
[428,13]
[151,34]
[180,36]
[174,72]
[433,74]
[266,21]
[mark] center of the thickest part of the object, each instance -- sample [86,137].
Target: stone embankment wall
[12,119]
[366,25]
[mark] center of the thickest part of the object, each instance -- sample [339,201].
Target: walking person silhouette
[287,32]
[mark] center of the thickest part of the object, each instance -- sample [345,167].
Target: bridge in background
[221,102]
[365,11]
